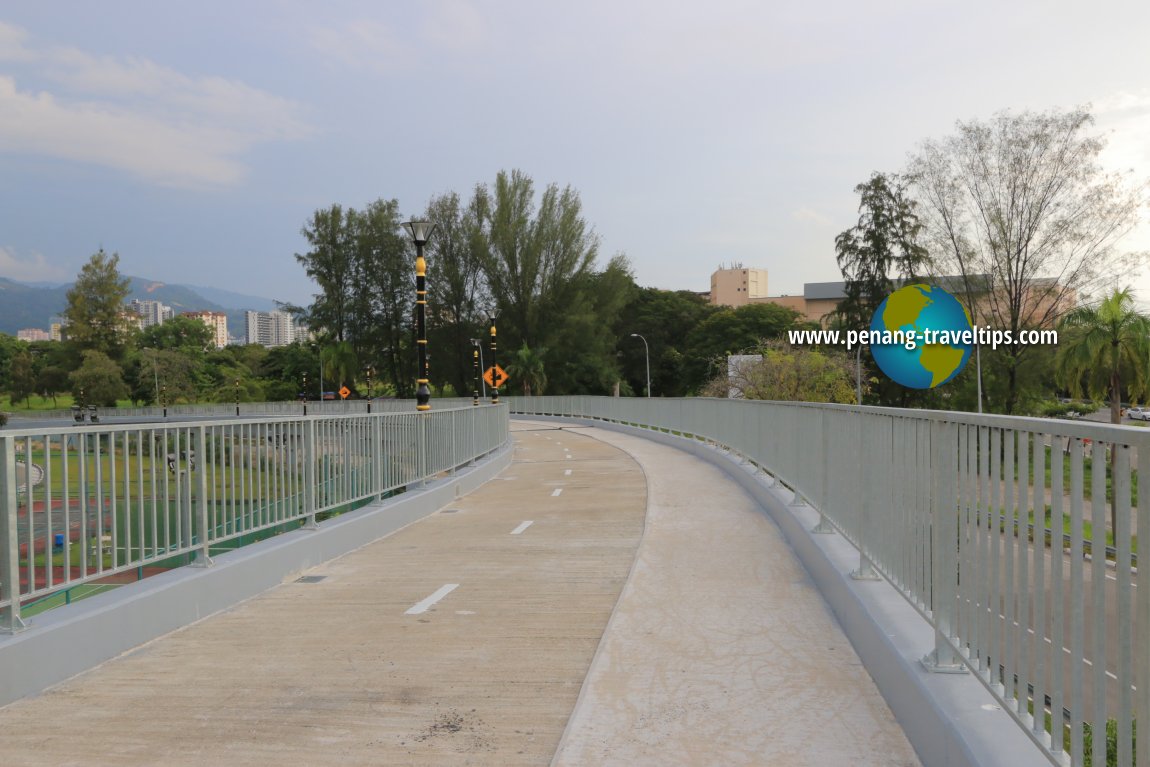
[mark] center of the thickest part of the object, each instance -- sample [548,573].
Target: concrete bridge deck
[606,600]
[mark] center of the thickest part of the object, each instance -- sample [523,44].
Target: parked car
[1138,414]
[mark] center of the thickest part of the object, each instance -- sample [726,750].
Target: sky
[196,139]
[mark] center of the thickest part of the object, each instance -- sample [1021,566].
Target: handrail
[119,497]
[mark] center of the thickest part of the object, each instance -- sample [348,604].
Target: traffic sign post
[495,376]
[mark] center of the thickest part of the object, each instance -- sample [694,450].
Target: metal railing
[940,504]
[253,409]
[90,503]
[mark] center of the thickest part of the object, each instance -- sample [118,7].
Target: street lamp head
[420,231]
[635,335]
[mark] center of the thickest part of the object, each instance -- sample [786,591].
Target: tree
[168,374]
[384,323]
[584,358]
[885,241]
[456,287]
[1103,348]
[22,381]
[183,334]
[98,380]
[790,374]
[527,368]
[51,380]
[365,270]
[1019,207]
[340,364]
[95,313]
[534,257]
[664,318]
[329,263]
[733,331]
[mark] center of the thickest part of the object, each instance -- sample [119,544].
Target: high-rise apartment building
[216,321]
[151,312]
[270,328]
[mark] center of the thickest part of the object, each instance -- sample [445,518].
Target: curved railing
[940,504]
[85,503]
[247,409]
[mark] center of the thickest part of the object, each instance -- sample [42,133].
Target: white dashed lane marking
[440,593]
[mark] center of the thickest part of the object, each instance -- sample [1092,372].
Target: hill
[29,306]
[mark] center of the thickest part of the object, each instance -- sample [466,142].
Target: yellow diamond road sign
[343,392]
[494,376]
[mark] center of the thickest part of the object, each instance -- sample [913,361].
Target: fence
[89,503]
[940,504]
[255,409]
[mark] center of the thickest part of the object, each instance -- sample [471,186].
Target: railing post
[421,441]
[944,543]
[865,571]
[309,479]
[203,558]
[377,454]
[824,527]
[454,453]
[10,621]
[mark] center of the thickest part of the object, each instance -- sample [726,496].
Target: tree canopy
[95,314]
[1019,207]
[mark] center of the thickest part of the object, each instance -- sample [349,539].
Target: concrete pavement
[467,638]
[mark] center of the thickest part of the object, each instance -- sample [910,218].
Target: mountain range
[24,305]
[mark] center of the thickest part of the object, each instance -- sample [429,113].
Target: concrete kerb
[69,640]
[950,720]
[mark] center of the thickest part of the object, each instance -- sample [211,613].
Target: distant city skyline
[195,141]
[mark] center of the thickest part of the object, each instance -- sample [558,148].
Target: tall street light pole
[475,364]
[647,351]
[495,387]
[478,344]
[420,232]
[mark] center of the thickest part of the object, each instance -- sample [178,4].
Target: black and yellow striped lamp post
[420,232]
[494,380]
[475,361]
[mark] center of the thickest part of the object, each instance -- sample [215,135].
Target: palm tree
[340,363]
[1102,346]
[527,366]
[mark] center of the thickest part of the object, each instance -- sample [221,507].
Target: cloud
[809,216]
[1125,118]
[400,45]
[135,115]
[34,269]
[364,44]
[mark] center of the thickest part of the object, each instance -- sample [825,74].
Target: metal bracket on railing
[797,501]
[824,527]
[931,663]
[866,571]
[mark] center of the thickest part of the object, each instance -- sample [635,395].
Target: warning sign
[494,376]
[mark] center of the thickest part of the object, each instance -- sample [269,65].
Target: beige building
[217,321]
[1042,305]
[738,286]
